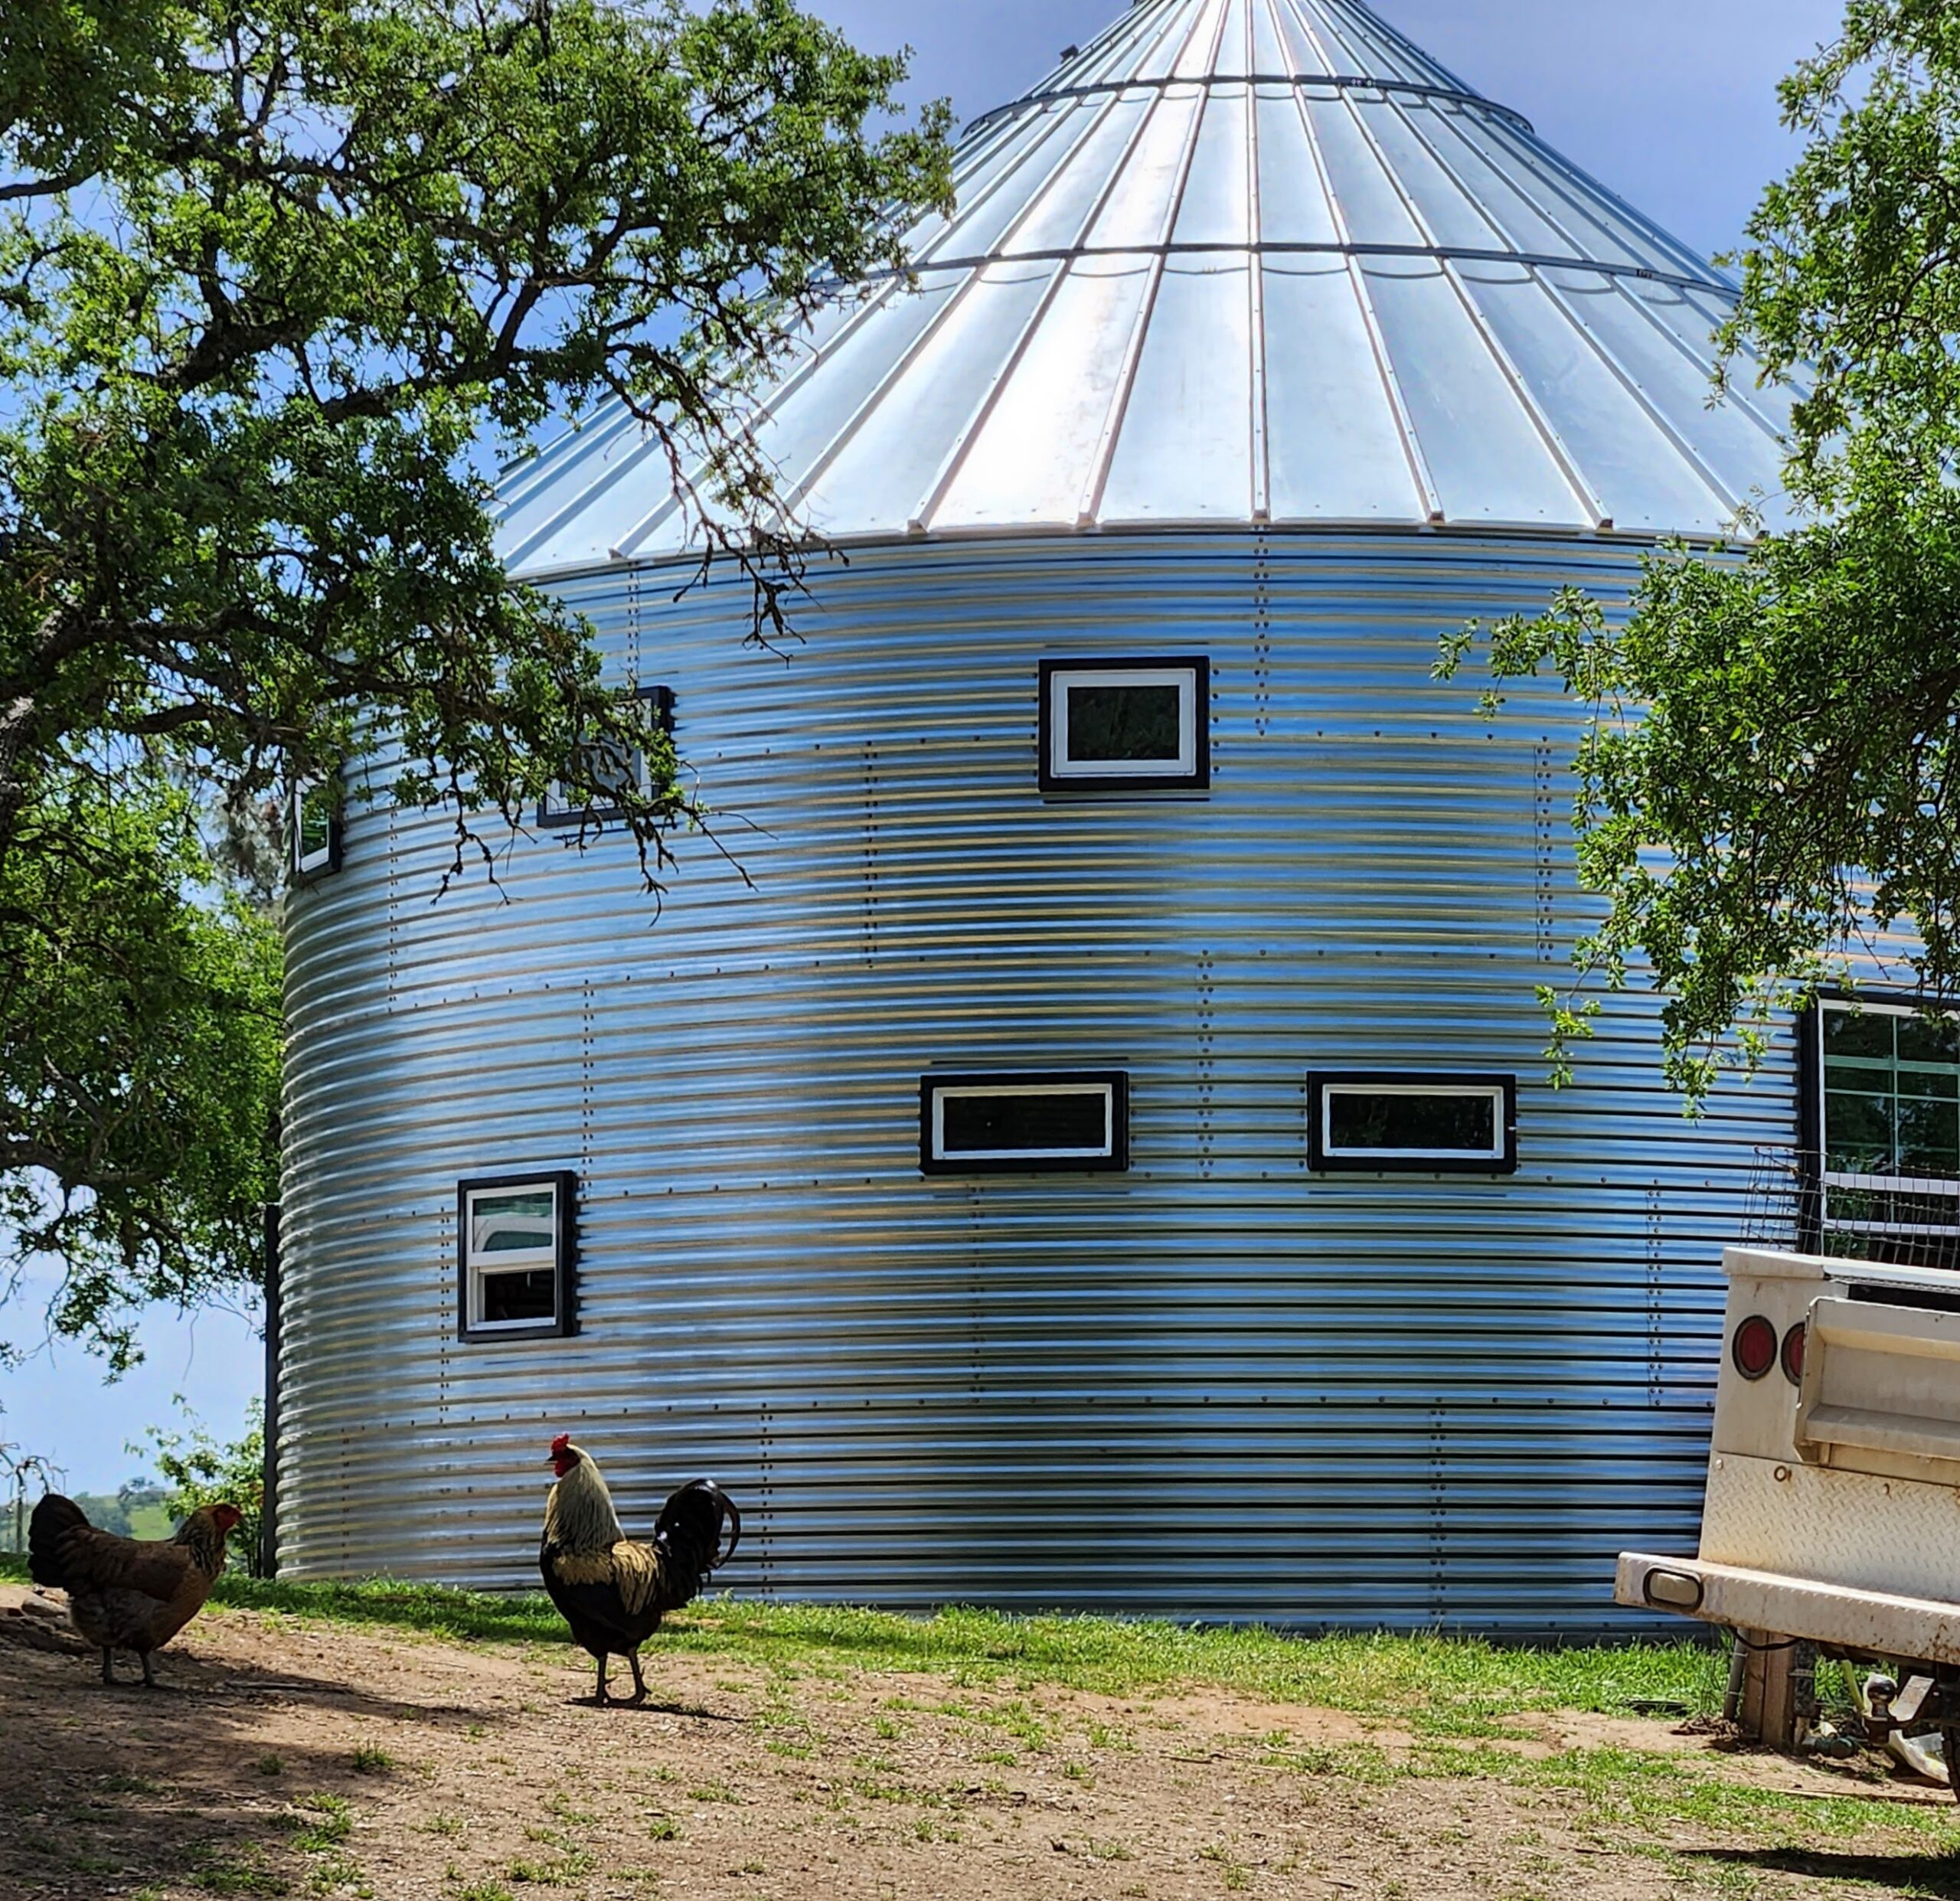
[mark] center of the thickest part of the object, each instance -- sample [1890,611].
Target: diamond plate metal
[1837,1528]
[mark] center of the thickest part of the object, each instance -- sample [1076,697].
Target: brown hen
[127,1593]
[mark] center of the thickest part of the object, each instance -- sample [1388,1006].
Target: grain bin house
[1107,1159]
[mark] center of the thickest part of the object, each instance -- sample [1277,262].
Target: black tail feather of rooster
[689,1529]
[54,1518]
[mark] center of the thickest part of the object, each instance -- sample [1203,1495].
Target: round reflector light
[1754,1347]
[1793,1355]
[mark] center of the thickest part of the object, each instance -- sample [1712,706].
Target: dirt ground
[285,1758]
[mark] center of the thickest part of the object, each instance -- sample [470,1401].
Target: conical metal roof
[1249,262]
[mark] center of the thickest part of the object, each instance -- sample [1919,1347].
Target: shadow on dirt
[1935,1875]
[693,1711]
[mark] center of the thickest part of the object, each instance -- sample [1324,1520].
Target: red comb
[558,1444]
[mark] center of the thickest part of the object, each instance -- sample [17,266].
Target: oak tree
[1766,797]
[279,279]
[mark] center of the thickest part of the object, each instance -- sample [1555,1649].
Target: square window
[609,766]
[1125,725]
[1024,1122]
[518,1236]
[1415,1123]
[314,829]
[1883,1165]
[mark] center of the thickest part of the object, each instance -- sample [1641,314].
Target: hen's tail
[689,1535]
[54,1518]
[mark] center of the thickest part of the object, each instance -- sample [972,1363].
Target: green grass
[1629,1788]
[1439,1685]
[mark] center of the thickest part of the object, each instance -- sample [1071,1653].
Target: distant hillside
[150,1521]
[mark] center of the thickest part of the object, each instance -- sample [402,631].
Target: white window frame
[936,1091]
[1324,1088]
[308,865]
[1851,1181]
[553,1253]
[558,807]
[1189,771]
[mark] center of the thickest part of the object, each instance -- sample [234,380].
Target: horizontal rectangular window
[1125,725]
[518,1235]
[314,827]
[1414,1122]
[1023,1122]
[610,767]
[1888,1118]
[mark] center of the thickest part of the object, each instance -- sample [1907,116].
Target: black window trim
[324,864]
[565,1181]
[1814,1222]
[1413,1082]
[1009,1082]
[660,699]
[1197,779]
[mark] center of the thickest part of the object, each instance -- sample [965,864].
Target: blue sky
[1671,103]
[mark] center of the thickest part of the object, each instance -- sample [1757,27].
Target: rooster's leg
[639,1682]
[601,1698]
[149,1682]
[108,1664]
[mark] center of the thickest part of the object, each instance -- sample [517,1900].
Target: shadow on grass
[1935,1875]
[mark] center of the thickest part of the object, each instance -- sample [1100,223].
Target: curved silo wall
[1217,1385]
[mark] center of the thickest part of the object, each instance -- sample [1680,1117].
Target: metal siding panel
[1406,1382]
[1451,215]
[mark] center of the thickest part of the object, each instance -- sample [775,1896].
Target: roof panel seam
[1561,453]
[1429,497]
[920,517]
[1104,459]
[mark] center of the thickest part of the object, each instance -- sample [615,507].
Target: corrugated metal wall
[1215,1386]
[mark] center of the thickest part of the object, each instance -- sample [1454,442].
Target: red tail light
[1793,1355]
[1754,1347]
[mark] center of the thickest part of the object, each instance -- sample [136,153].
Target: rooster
[127,1593]
[611,1591]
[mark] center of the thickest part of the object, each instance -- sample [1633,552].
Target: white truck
[1832,1513]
